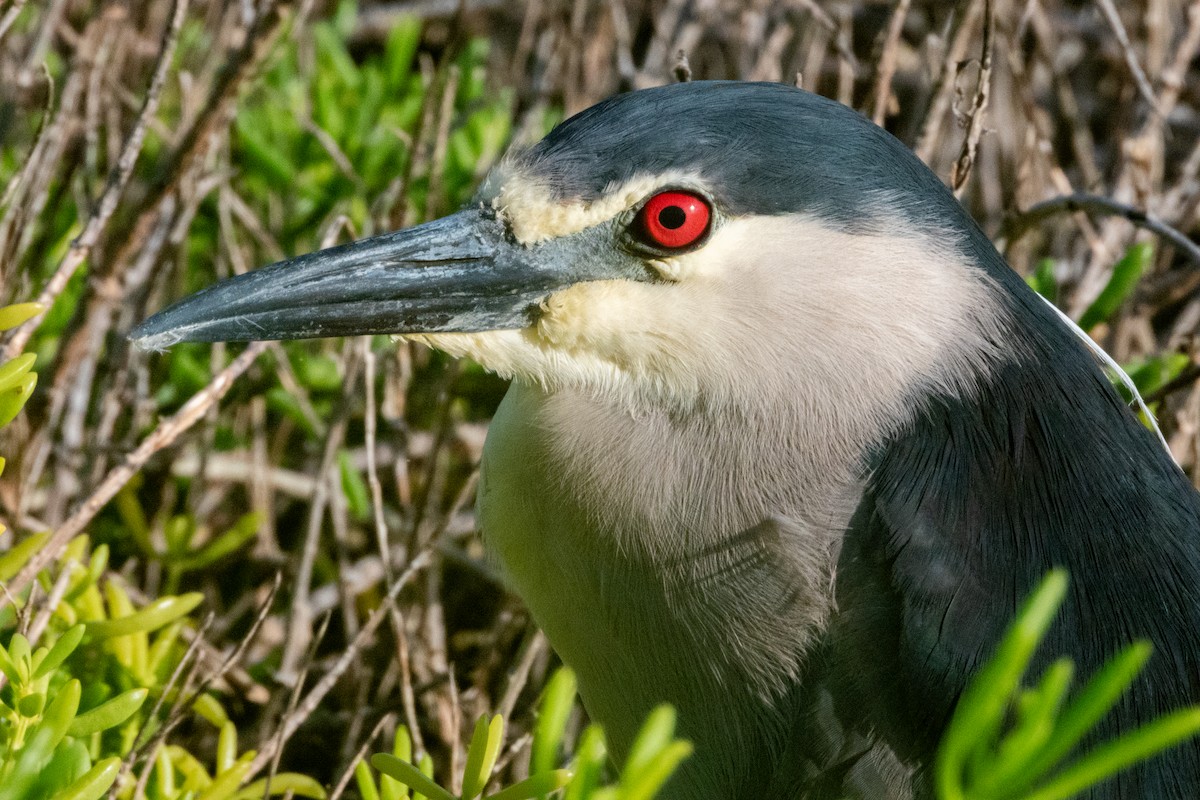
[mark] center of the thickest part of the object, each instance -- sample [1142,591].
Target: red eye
[672,220]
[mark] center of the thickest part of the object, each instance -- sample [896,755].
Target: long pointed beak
[458,273]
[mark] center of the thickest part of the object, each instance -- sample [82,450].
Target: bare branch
[330,679]
[117,180]
[163,436]
[682,70]
[1113,18]
[1017,225]
[887,61]
[975,117]
[10,16]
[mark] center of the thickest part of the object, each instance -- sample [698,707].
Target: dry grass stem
[887,62]
[303,708]
[976,115]
[1018,224]
[163,436]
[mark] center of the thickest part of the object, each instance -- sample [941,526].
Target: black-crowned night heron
[787,440]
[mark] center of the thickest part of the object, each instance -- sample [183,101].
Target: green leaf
[62,708]
[261,155]
[344,18]
[9,668]
[40,746]
[160,657]
[654,774]
[590,758]
[1108,759]
[14,399]
[331,50]
[133,516]
[18,650]
[161,612]
[1091,704]
[390,788]
[425,765]
[228,781]
[227,746]
[18,314]
[1125,276]
[12,561]
[110,714]
[31,705]
[96,566]
[211,710]
[319,373]
[1151,374]
[228,543]
[164,773]
[179,532]
[402,744]
[409,775]
[557,702]
[364,781]
[284,402]
[57,654]
[537,785]
[94,783]
[195,776]
[481,755]
[283,783]
[655,736]
[399,49]
[12,372]
[980,711]
[1028,738]
[1043,280]
[358,497]
[71,761]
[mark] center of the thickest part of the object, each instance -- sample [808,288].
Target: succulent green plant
[1008,742]
[655,755]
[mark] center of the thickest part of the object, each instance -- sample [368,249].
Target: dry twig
[163,436]
[1113,18]
[975,117]
[305,707]
[1018,224]
[117,180]
[887,62]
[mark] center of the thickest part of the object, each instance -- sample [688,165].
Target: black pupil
[672,217]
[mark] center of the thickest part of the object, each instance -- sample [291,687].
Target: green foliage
[1007,742]
[1151,374]
[332,135]
[75,707]
[655,755]
[17,380]
[188,545]
[1148,374]
[43,750]
[1043,280]
[1121,284]
[1125,276]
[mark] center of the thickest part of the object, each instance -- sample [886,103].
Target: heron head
[677,245]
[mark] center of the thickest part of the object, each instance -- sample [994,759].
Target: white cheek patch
[772,309]
[533,214]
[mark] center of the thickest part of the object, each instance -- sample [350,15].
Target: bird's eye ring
[673,220]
